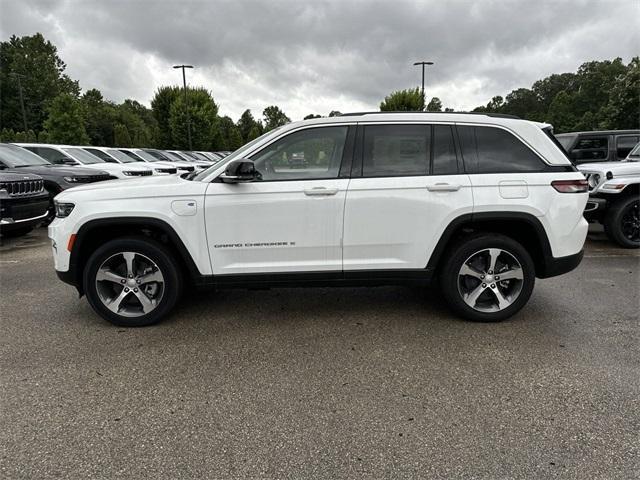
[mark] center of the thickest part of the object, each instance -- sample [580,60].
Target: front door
[291,219]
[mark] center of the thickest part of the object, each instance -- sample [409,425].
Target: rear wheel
[488,278]
[622,222]
[132,282]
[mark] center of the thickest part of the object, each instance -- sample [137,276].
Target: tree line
[600,95]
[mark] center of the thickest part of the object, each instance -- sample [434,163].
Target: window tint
[445,161]
[624,144]
[396,150]
[304,155]
[493,150]
[101,155]
[51,155]
[591,148]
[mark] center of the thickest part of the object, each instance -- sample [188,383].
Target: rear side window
[445,161]
[624,145]
[591,149]
[494,150]
[396,150]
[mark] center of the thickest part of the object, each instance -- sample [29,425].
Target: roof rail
[488,114]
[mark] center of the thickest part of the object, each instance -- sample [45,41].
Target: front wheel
[132,282]
[622,222]
[487,278]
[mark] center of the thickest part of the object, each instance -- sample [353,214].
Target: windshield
[82,156]
[157,155]
[635,153]
[13,156]
[237,153]
[121,157]
[132,155]
[145,156]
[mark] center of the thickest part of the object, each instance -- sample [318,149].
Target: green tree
[246,124]
[7,135]
[203,115]
[623,108]
[139,121]
[274,118]
[161,107]
[36,63]
[226,135]
[99,118]
[334,113]
[311,115]
[65,122]
[435,105]
[561,113]
[235,138]
[253,133]
[409,100]
[121,136]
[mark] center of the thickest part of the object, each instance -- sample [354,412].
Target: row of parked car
[31,174]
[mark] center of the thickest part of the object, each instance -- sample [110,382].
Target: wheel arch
[525,228]
[99,231]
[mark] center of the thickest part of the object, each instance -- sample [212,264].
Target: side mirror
[240,171]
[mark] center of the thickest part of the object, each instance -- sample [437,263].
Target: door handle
[320,192]
[443,187]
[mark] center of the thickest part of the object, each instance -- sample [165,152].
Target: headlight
[63,209]
[129,173]
[71,179]
[594,180]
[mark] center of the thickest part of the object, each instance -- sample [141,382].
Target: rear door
[406,187]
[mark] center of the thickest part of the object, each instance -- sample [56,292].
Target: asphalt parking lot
[322,383]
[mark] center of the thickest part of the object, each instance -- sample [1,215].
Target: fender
[74,275]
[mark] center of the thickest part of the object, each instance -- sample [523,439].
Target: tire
[159,288]
[494,298]
[622,222]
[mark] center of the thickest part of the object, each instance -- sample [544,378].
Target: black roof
[602,132]
[496,115]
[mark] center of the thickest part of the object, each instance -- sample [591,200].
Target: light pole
[24,113]
[423,65]
[186,101]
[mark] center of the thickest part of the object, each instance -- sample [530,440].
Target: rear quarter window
[494,150]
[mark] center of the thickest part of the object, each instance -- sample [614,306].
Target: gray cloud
[312,57]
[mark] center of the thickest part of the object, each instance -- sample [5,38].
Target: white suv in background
[114,155]
[69,155]
[482,203]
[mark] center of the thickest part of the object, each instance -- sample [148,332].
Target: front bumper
[595,208]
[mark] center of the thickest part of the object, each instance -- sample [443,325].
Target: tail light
[571,186]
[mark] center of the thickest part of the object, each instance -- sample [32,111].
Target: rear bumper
[555,266]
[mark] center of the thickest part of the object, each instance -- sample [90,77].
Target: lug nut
[131,275]
[497,277]
[122,281]
[126,289]
[493,285]
[490,272]
[138,281]
[135,290]
[481,276]
[484,285]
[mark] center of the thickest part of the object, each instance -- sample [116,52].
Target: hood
[14,176]
[618,169]
[48,171]
[116,167]
[155,186]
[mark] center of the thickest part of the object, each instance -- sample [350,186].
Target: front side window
[313,153]
[83,156]
[120,156]
[396,150]
[13,156]
[494,150]
[624,145]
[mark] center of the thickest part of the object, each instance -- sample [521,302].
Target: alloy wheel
[129,284]
[490,280]
[631,222]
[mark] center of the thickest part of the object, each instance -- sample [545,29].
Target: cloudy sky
[316,56]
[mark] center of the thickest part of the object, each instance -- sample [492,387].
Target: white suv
[482,203]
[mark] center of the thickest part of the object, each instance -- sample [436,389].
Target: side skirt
[416,277]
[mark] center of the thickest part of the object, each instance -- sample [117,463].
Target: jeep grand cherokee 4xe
[482,203]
